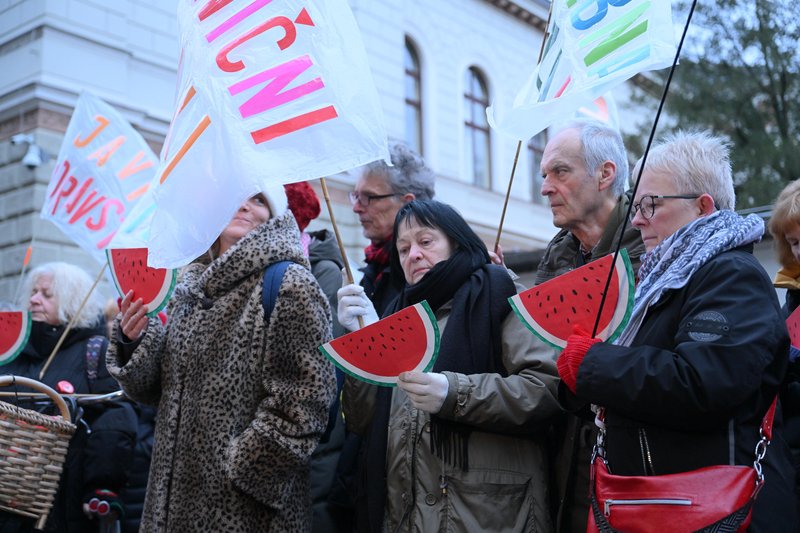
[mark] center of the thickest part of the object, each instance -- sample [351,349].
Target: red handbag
[714,498]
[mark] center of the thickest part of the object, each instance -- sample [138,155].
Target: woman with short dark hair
[460,448]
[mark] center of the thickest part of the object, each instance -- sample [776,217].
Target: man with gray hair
[585,170]
[379,194]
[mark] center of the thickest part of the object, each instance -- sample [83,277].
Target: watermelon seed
[574,292]
[574,312]
[567,320]
[562,298]
[589,296]
[548,297]
[586,279]
[547,315]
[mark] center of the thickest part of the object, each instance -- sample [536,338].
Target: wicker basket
[33,447]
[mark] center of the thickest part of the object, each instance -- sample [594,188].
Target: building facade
[436,66]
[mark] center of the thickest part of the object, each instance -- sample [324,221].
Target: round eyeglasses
[647,205]
[365,199]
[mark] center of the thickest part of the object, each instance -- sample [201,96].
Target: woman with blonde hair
[785,228]
[97,460]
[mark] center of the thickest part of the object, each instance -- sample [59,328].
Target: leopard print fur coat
[241,404]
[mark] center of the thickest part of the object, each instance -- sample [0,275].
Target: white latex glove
[353,303]
[426,390]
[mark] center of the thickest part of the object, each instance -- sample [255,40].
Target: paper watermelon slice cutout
[130,272]
[378,353]
[793,325]
[15,329]
[552,309]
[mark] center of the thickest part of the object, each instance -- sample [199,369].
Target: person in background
[691,376]
[379,194]
[585,170]
[380,191]
[326,265]
[784,224]
[100,451]
[242,398]
[460,448]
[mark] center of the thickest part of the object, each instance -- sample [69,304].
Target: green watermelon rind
[432,330]
[557,342]
[163,295]
[631,288]
[21,341]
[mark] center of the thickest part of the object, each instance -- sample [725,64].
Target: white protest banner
[593,46]
[602,108]
[104,167]
[270,92]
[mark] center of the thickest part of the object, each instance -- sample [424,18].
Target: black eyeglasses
[647,205]
[365,199]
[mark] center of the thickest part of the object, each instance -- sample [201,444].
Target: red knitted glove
[571,358]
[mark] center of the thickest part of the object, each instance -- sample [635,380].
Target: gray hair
[600,143]
[409,173]
[70,284]
[698,162]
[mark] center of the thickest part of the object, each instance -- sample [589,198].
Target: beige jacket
[505,488]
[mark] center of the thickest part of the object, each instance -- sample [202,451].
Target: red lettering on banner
[61,179]
[289,37]
[80,143]
[271,95]
[107,150]
[87,205]
[294,124]
[212,7]
[63,193]
[101,221]
[70,206]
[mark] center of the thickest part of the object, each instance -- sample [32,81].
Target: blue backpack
[273,277]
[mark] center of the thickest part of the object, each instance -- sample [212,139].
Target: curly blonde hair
[70,284]
[785,215]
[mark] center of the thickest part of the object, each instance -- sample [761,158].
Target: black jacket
[695,383]
[136,487]
[381,286]
[95,460]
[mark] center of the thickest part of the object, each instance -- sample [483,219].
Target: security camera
[33,158]
[21,138]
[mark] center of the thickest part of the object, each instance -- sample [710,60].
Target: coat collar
[788,278]
[277,239]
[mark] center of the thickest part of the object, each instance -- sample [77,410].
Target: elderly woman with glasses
[689,380]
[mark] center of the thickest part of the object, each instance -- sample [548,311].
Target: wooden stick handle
[347,270]
[519,143]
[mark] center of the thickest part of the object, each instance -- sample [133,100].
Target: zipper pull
[443,485]
[607,507]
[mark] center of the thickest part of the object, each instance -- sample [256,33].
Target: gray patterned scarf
[670,265]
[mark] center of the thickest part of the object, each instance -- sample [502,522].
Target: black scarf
[471,344]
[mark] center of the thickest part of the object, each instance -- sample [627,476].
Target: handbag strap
[765,434]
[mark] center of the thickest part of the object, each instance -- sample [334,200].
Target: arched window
[413,90]
[535,152]
[477,143]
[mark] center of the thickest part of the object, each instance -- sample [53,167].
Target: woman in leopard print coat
[241,403]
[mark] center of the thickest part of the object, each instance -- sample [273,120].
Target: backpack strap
[94,347]
[273,277]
